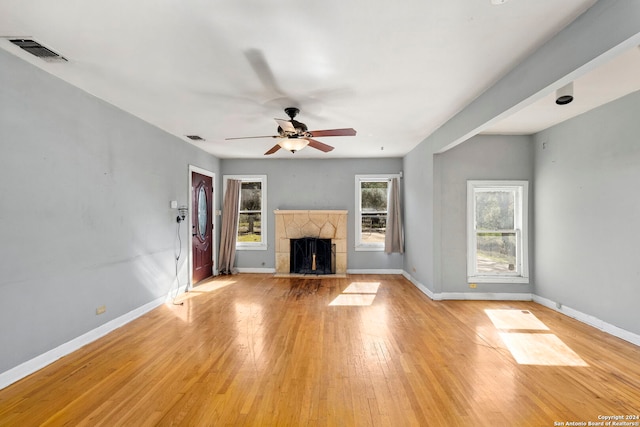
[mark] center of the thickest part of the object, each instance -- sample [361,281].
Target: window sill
[252,248]
[498,279]
[363,248]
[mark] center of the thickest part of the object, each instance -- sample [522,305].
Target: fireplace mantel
[323,224]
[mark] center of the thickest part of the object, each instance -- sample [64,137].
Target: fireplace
[310,255]
[314,224]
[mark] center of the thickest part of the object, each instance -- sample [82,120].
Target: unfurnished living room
[337,213]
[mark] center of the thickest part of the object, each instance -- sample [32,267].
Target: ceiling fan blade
[319,145]
[285,125]
[261,67]
[253,137]
[273,149]
[334,132]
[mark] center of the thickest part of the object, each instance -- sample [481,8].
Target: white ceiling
[223,69]
[604,84]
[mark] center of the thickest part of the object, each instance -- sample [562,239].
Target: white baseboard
[590,320]
[477,296]
[486,296]
[568,311]
[420,286]
[30,366]
[355,271]
[255,270]
[173,294]
[374,271]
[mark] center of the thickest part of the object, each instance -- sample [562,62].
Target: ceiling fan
[294,135]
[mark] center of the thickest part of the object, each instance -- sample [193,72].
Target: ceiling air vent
[195,138]
[36,49]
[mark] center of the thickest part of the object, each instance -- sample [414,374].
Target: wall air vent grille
[36,49]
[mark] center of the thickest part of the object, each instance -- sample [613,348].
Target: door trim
[214,211]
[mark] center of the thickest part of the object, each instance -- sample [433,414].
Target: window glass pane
[252,232]
[495,210]
[497,232]
[496,252]
[374,227]
[249,227]
[374,196]
[250,196]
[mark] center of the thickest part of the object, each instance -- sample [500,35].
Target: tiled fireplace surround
[323,224]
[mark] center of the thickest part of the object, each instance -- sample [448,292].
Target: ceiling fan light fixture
[293,144]
[293,135]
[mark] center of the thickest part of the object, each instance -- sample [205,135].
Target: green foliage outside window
[374,196]
[373,199]
[249,221]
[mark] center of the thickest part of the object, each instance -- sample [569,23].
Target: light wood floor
[363,350]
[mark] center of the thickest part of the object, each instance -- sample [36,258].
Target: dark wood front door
[202,226]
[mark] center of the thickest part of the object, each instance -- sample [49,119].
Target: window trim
[521,227]
[253,246]
[358,245]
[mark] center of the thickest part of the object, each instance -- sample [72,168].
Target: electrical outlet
[473,285]
[101,309]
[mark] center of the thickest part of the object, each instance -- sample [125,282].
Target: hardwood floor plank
[366,350]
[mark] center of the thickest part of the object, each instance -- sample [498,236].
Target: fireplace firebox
[310,255]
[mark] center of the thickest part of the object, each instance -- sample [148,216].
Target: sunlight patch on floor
[515,319]
[362,288]
[180,306]
[530,341]
[357,294]
[540,349]
[204,288]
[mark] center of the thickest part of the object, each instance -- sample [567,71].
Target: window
[497,231]
[372,193]
[252,218]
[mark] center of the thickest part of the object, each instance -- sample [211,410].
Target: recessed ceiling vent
[195,138]
[36,49]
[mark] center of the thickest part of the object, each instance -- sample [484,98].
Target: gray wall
[313,184]
[480,158]
[435,207]
[587,223]
[419,216]
[84,214]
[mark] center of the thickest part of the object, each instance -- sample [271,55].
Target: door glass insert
[202,213]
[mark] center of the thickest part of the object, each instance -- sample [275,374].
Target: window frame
[521,230]
[253,246]
[359,245]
